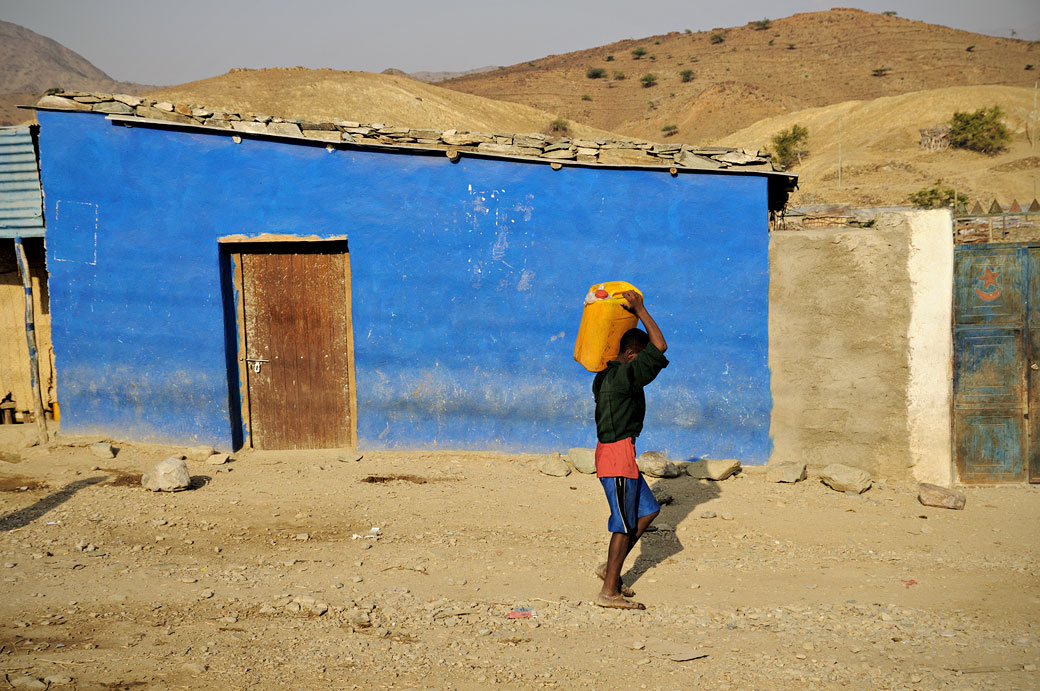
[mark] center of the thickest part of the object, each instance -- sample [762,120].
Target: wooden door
[993,367]
[298,346]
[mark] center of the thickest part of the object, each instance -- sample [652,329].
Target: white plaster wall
[930,346]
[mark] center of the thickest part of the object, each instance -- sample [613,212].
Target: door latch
[256,364]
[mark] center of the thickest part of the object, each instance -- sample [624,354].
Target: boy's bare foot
[601,573]
[617,602]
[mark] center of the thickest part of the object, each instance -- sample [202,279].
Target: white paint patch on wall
[930,346]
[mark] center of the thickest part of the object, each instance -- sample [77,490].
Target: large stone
[129,100]
[254,127]
[688,159]
[845,478]
[218,459]
[103,449]
[62,103]
[553,464]
[153,113]
[113,108]
[934,495]
[583,460]
[465,139]
[507,150]
[656,464]
[785,472]
[713,468]
[31,683]
[170,475]
[738,158]
[324,135]
[625,157]
[199,453]
[559,154]
[289,129]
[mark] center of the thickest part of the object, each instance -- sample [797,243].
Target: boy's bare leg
[621,545]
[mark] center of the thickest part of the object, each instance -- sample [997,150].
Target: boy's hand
[635,301]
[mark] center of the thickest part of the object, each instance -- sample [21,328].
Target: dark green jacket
[620,403]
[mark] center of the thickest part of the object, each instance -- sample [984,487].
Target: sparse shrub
[890,13]
[619,75]
[58,90]
[880,71]
[638,52]
[649,79]
[1029,68]
[760,25]
[559,126]
[686,75]
[770,41]
[687,31]
[609,58]
[717,39]
[790,46]
[937,197]
[971,48]
[586,97]
[790,145]
[980,131]
[595,73]
[657,42]
[669,130]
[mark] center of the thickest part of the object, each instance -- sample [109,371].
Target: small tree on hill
[790,145]
[937,197]
[880,71]
[980,131]
[638,52]
[619,75]
[686,75]
[669,130]
[559,126]
[595,73]
[717,39]
[761,24]
[648,80]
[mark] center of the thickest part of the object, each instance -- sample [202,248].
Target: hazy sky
[174,41]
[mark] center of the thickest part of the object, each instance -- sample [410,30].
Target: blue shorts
[630,499]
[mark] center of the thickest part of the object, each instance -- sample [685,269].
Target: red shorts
[617,459]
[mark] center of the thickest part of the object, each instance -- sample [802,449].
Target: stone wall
[541,146]
[860,349]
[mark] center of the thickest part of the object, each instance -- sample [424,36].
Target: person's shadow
[23,517]
[688,493]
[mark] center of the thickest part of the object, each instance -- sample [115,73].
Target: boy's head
[632,343]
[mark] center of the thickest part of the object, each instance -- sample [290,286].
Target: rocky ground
[467,570]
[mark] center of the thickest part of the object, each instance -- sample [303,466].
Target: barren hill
[336,95]
[33,63]
[882,160]
[744,74]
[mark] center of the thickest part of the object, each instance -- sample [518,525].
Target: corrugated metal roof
[21,201]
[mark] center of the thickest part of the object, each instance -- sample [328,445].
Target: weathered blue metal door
[996,362]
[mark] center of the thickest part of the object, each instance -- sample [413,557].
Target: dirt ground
[295,570]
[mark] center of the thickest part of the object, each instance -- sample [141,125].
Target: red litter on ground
[908,583]
[520,613]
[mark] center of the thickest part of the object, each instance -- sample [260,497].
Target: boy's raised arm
[635,305]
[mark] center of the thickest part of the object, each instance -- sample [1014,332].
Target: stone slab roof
[561,149]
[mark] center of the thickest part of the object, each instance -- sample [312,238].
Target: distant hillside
[33,63]
[362,96]
[882,160]
[741,75]
[433,77]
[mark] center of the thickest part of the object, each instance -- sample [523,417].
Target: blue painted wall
[467,278]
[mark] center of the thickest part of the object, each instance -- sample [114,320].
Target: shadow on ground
[657,547]
[23,517]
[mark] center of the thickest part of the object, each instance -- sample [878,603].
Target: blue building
[283,284]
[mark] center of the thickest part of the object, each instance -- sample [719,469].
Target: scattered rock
[554,465]
[199,453]
[656,464]
[662,495]
[712,468]
[708,514]
[206,594]
[218,459]
[58,679]
[843,478]
[359,617]
[26,683]
[103,450]
[170,475]
[194,667]
[934,495]
[785,472]
[583,460]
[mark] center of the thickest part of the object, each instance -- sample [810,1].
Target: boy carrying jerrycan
[626,359]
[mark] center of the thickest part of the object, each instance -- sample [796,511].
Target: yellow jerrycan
[603,321]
